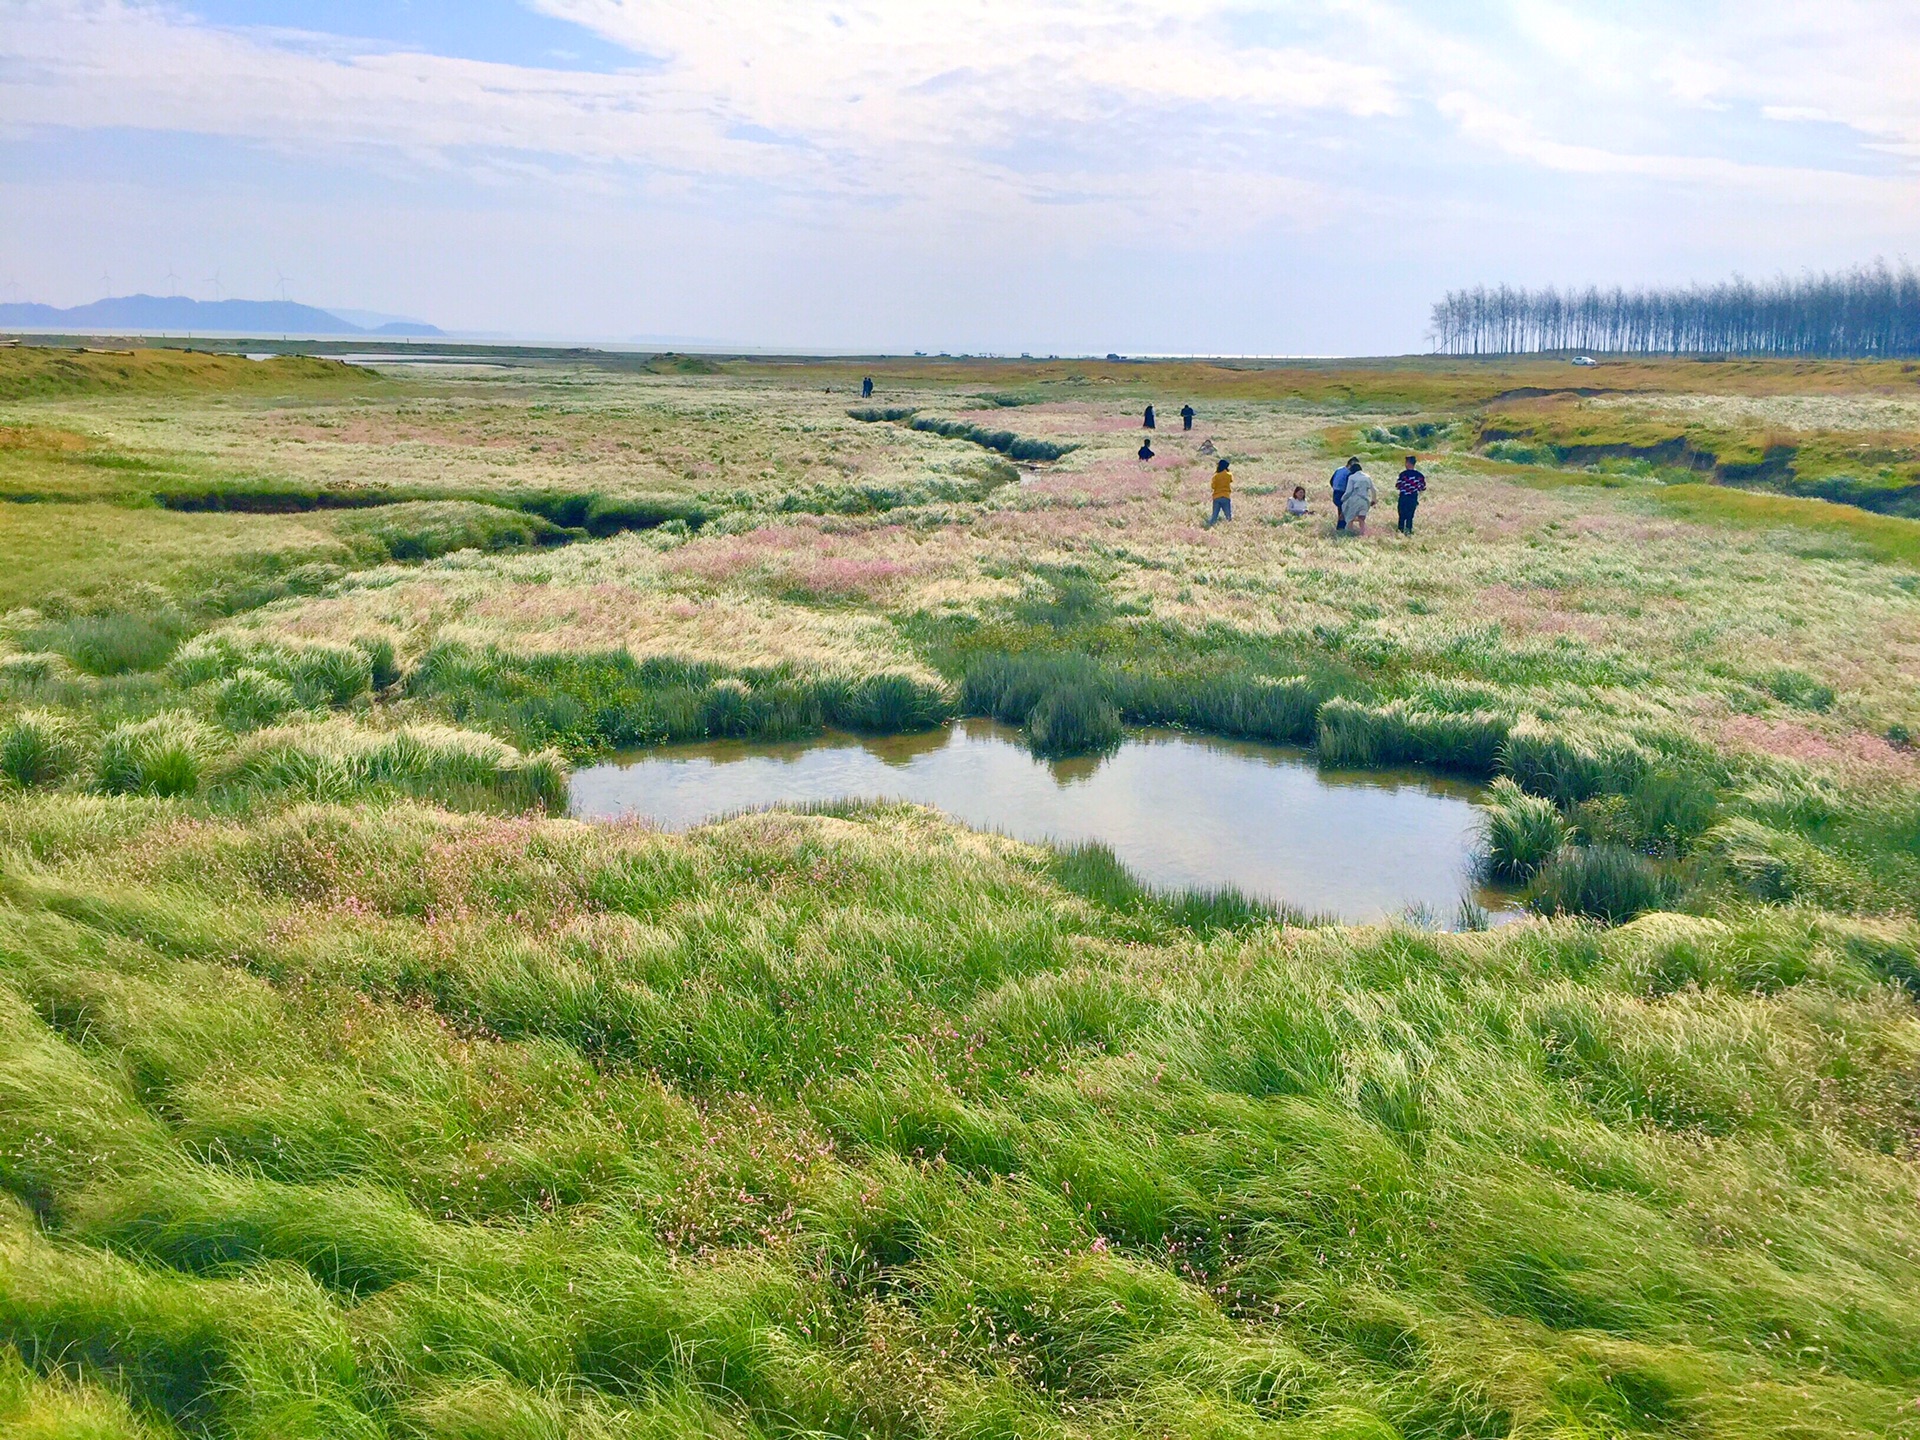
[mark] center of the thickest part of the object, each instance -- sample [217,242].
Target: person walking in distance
[1146,449]
[1186,417]
[1222,494]
[1339,483]
[1146,422]
[866,388]
[1408,486]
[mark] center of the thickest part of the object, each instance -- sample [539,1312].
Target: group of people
[1353,489]
[1353,495]
[1187,412]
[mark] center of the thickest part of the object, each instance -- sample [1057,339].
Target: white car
[1585,360]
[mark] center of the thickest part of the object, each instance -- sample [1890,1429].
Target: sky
[982,176]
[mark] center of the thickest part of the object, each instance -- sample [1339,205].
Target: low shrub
[38,748]
[158,756]
[1073,720]
[1522,832]
[1603,882]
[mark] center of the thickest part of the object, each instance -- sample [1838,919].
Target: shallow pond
[1178,810]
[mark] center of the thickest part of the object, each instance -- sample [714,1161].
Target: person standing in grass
[1222,494]
[1357,500]
[1409,486]
[1146,449]
[866,387]
[1339,483]
[1147,422]
[1186,417]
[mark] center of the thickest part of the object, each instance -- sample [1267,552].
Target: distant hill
[176,314]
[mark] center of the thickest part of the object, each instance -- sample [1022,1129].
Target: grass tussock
[1603,882]
[456,768]
[110,643]
[1522,832]
[316,673]
[38,748]
[162,756]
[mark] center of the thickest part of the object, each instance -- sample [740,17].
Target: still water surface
[1178,810]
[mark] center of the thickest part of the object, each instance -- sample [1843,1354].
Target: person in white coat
[1357,501]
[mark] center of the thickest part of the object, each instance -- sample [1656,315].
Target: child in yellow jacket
[1222,494]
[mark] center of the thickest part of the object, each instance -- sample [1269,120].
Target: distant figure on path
[1357,500]
[1222,494]
[1339,483]
[1146,449]
[1148,422]
[866,388]
[1186,417]
[1297,502]
[1409,485]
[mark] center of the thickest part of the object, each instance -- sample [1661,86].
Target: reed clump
[1522,832]
[1603,882]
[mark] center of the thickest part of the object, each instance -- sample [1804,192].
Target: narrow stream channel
[1178,810]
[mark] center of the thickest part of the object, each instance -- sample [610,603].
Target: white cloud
[995,138]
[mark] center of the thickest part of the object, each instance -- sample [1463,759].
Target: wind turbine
[173,280]
[214,280]
[106,286]
[283,284]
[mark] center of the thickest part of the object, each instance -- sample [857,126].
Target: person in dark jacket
[1408,486]
[1186,417]
[866,388]
[1146,449]
[1147,423]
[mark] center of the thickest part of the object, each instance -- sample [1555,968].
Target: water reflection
[1178,809]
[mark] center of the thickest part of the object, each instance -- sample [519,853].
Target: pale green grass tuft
[38,747]
[160,756]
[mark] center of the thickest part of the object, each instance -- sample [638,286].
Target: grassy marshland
[347,1090]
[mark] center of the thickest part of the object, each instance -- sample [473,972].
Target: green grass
[350,1121]
[347,1090]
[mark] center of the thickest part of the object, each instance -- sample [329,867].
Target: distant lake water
[1178,810]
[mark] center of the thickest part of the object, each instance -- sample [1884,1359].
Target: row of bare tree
[1868,311]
